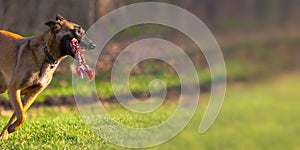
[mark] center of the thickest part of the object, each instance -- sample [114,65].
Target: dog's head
[66,31]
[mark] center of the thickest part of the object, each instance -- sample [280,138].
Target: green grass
[62,85]
[262,115]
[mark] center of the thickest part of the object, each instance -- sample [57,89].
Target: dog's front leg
[15,98]
[28,100]
[4,133]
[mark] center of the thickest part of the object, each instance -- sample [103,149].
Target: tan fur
[25,69]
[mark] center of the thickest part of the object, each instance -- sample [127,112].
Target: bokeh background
[271,25]
[260,41]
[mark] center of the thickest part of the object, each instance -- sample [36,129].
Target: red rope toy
[82,68]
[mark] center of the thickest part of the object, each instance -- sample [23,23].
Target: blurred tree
[91,11]
[105,6]
[28,16]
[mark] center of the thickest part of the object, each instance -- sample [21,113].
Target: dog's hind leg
[3,86]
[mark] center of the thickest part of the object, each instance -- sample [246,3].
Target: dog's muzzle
[87,44]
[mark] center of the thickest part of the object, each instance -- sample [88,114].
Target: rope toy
[82,68]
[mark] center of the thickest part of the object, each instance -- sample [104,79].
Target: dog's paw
[4,135]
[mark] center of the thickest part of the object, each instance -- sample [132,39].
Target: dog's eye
[76,32]
[77,28]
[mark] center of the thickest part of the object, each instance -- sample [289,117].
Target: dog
[27,64]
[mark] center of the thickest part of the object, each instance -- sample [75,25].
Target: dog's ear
[59,17]
[51,24]
[54,25]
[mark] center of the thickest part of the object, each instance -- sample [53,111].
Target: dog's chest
[37,80]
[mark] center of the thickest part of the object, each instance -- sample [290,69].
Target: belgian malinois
[27,64]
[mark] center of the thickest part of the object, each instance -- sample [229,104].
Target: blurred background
[242,27]
[260,41]
[220,16]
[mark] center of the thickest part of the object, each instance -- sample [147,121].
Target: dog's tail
[10,34]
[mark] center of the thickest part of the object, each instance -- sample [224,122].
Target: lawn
[256,115]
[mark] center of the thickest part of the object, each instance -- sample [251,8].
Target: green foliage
[146,29]
[231,23]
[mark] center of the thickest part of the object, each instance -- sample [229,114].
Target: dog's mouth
[84,43]
[82,68]
[74,46]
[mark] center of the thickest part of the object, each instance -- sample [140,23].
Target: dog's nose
[92,46]
[87,43]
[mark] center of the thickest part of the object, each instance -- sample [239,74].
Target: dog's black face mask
[67,31]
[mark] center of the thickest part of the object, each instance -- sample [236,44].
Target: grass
[62,83]
[263,115]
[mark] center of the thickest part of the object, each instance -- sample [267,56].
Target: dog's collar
[49,56]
